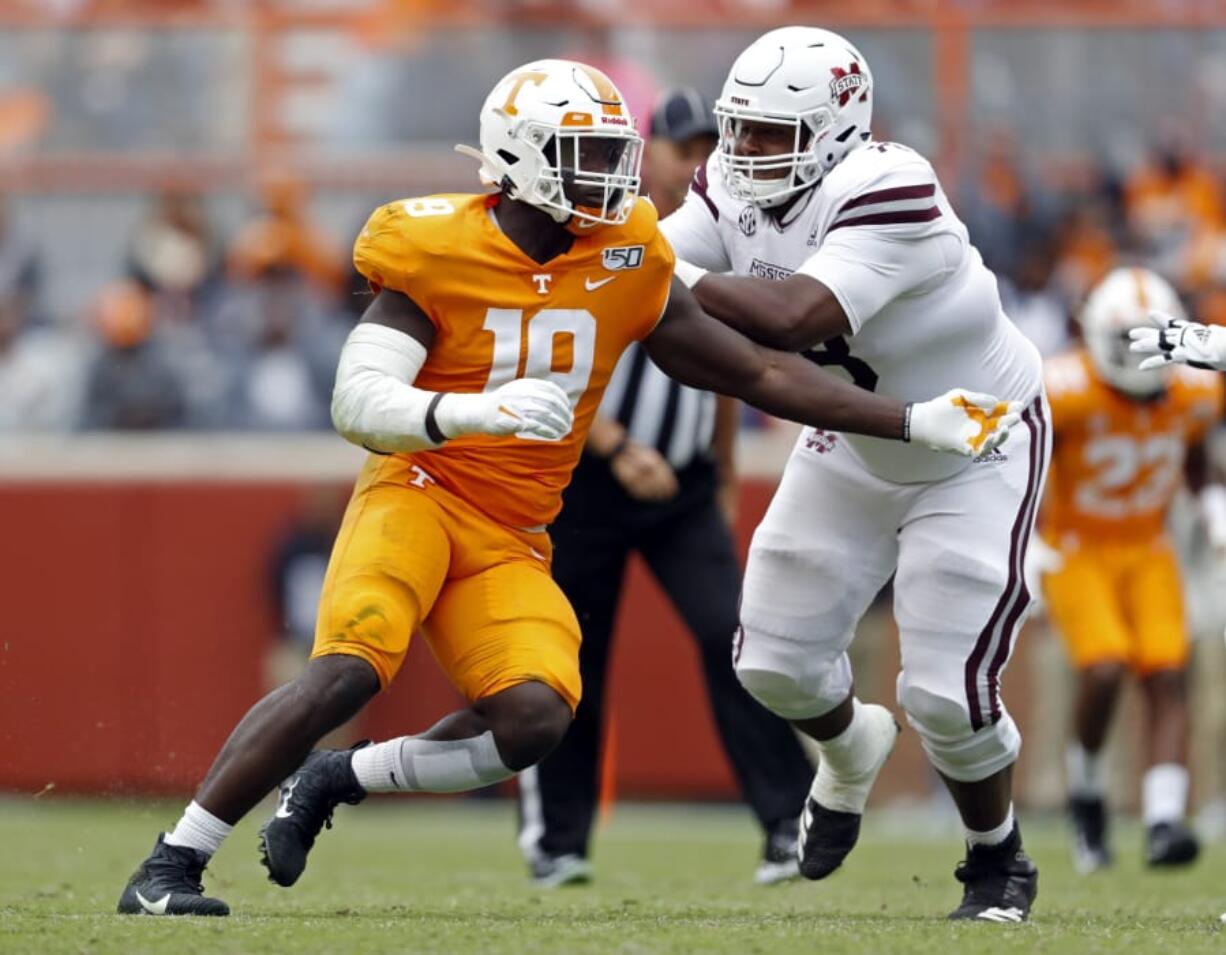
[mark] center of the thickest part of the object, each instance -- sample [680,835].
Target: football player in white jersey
[847,250]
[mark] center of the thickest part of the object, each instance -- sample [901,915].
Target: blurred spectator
[40,366]
[41,370]
[1088,249]
[281,345]
[999,204]
[132,385]
[1032,301]
[1175,215]
[19,271]
[283,236]
[171,253]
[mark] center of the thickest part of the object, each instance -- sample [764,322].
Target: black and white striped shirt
[676,420]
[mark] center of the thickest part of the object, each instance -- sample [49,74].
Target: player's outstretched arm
[698,350]
[1169,339]
[376,405]
[794,314]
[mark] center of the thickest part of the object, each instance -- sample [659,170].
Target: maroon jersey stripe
[699,187]
[896,194]
[890,218]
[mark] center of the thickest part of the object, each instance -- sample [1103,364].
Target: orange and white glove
[1169,340]
[962,422]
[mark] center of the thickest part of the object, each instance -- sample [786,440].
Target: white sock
[1085,772]
[847,754]
[412,764]
[993,837]
[848,763]
[1164,793]
[199,829]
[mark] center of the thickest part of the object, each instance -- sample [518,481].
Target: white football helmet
[558,135]
[1119,302]
[813,81]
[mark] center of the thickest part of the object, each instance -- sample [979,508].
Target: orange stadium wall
[138,622]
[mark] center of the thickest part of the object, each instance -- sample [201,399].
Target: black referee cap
[681,114]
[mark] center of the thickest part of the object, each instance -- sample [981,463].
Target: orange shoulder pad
[400,238]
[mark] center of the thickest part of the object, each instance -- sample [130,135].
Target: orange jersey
[500,315]
[1117,462]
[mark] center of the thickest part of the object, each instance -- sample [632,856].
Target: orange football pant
[1120,603]
[411,554]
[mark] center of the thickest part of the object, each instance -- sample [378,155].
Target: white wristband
[690,275]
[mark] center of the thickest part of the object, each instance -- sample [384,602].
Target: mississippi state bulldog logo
[823,442]
[846,82]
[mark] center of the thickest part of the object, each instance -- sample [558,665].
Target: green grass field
[445,877]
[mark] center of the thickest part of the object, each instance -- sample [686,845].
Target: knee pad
[792,680]
[953,747]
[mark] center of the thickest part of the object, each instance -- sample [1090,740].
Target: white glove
[965,422]
[1178,340]
[528,408]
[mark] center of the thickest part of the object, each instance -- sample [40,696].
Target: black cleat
[168,883]
[305,805]
[1170,844]
[780,856]
[826,837]
[1001,882]
[1090,850]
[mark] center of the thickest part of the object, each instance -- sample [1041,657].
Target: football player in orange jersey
[473,378]
[1123,437]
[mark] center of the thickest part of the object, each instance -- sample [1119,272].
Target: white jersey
[879,232]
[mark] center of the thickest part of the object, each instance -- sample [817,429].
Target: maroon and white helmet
[811,80]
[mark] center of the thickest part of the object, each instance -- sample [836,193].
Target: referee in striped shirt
[657,477]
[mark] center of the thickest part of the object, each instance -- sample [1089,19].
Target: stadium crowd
[201,332]
[241,332]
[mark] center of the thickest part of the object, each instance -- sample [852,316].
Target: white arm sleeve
[867,268]
[374,403]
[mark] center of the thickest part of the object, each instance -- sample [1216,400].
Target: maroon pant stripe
[1011,591]
[1009,632]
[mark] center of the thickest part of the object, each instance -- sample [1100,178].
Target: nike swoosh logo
[592,286]
[154,908]
[535,553]
[283,810]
